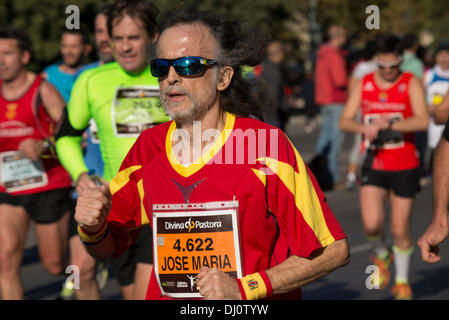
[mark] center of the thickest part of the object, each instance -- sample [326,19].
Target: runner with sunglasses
[224,226]
[393,108]
[122,97]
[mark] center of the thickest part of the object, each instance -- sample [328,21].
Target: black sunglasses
[184,66]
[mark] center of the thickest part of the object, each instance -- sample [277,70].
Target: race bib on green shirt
[135,109]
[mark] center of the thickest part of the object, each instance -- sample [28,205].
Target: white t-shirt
[436,81]
[363,68]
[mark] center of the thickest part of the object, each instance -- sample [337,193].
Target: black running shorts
[139,252]
[403,183]
[44,207]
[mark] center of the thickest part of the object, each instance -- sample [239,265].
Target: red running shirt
[399,154]
[281,209]
[21,119]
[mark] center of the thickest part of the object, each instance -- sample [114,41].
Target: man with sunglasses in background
[122,97]
[229,221]
[393,108]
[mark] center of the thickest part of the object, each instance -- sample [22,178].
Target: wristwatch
[390,124]
[47,144]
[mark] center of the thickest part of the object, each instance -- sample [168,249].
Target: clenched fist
[92,207]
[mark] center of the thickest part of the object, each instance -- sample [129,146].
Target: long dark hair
[239,46]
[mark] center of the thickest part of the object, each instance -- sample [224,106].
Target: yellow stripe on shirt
[122,178]
[306,198]
[261,175]
[143,213]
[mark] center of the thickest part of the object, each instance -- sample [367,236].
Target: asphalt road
[428,281]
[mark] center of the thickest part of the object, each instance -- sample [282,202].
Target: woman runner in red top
[393,107]
[393,103]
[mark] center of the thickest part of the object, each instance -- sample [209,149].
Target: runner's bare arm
[347,122]
[438,230]
[54,105]
[441,180]
[296,272]
[52,100]
[292,274]
[420,119]
[104,249]
[352,83]
[441,113]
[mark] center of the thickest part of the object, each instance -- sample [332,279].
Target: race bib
[394,140]
[190,236]
[19,173]
[135,109]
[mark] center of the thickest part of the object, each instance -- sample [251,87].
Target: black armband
[66,128]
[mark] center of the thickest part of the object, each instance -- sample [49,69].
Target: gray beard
[195,112]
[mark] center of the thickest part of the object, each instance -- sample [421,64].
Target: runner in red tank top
[393,108]
[393,103]
[33,183]
[24,122]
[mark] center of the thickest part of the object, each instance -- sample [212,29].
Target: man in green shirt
[410,62]
[122,98]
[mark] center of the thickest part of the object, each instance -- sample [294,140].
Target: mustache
[175,88]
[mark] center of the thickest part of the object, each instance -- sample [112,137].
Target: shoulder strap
[40,112]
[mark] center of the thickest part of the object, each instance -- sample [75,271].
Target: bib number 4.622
[194,245]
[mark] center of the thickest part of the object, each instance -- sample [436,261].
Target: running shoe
[351,184]
[67,292]
[384,272]
[402,291]
[102,274]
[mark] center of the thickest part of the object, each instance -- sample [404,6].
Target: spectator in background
[436,82]
[427,57]
[74,48]
[365,66]
[270,72]
[410,61]
[307,92]
[330,94]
